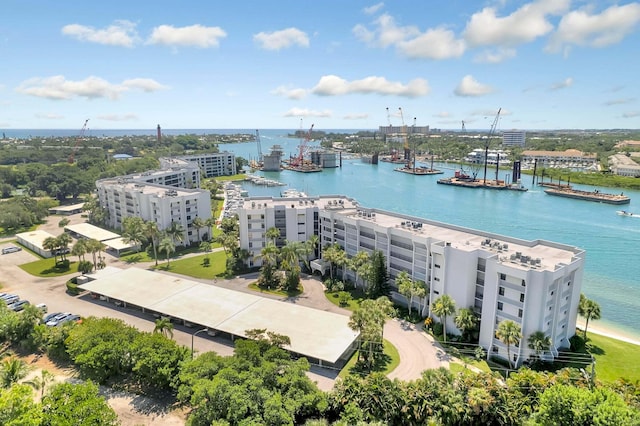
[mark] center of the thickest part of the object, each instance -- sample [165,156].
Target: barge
[597,196]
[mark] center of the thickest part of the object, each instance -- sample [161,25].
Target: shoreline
[608,332]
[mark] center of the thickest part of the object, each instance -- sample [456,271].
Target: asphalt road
[417,350]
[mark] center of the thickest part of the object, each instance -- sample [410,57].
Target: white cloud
[120,33]
[632,114]
[373,9]
[469,86]
[194,35]
[303,112]
[355,116]
[290,93]
[599,30]
[619,101]
[443,114]
[495,56]
[282,39]
[332,85]
[116,117]
[436,43]
[524,25]
[49,116]
[59,88]
[562,84]
[363,34]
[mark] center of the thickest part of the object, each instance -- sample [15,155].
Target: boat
[420,170]
[597,196]
[626,213]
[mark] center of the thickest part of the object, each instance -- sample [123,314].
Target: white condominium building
[622,165]
[162,196]
[211,164]
[514,138]
[570,158]
[534,283]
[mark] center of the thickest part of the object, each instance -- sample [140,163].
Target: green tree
[466,321]
[443,307]
[335,255]
[509,333]
[77,404]
[198,223]
[94,247]
[63,222]
[290,255]
[176,232]
[379,276]
[405,284]
[63,240]
[589,310]
[164,326]
[42,381]
[12,370]
[17,407]
[269,256]
[152,234]
[51,244]
[133,231]
[539,343]
[79,249]
[357,262]
[156,360]
[167,246]
[272,234]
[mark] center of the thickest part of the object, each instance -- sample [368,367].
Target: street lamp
[194,335]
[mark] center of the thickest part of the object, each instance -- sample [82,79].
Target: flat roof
[69,208]
[118,244]
[35,238]
[90,231]
[318,334]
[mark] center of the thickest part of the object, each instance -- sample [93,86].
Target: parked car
[18,305]
[69,318]
[42,307]
[10,298]
[55,320]
[11,249]
[49,317]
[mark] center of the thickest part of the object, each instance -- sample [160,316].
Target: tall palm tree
[152,234]
[269,256]
[164,326]
[198,223]
[133,231]
[11,371]
[509,333]
[79,249]
[272,234]
[443,307]
[590,310]
[335,255]
[63,241]
[404,284]
[51,244]
[176,232]
[41,382]
[356,263]
[466,321]
[539,342]
[167,246]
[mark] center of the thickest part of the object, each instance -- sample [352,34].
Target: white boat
[626,213]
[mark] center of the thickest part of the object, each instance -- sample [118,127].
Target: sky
[336,64]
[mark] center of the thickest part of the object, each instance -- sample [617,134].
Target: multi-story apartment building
[534,283]
[162,196]
[514,138]
[568,159]
[622,165]
[211,164]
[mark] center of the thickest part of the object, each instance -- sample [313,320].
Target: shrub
[437,329]
[344,297]
[72,288]
[577,344]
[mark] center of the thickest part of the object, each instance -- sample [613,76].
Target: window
[519,313]
[523,284]
[436,279]
[435,265]
[522,297]
[494,349]
[503,276]
[552,292]
[436,292]
[501,291]
[499,306]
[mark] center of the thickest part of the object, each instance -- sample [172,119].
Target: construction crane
[259,146]
[407,150]
[486,145]
[298,161]
[80,139]
[464,128]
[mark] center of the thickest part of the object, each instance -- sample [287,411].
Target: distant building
[122,157]
[272,162]
[513,138]
[536,283]
[622,165]
[212,164]
[397,130]
[324,159]
[569,159]
[493,156]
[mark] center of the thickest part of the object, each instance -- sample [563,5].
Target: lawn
[357,296]
[47,268]
[195,266]
[615,359]
[389,363]
[240,176]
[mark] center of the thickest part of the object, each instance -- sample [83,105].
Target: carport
[91,232]
[33,240]
[324,337]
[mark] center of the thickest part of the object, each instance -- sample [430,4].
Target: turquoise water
[612,242]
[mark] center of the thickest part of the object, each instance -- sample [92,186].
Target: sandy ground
[132,410]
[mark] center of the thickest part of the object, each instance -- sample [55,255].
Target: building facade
[622,165]
[514,138]
[211,164]
[534,283]
[161,196]
[568,159]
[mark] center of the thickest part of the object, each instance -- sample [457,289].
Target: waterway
[612,242]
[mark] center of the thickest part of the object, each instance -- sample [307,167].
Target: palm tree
[11,371]
[356,263]
[63,241]
[335,255]
[198,223]
[164,327]
[152,234]
[310,247]
[404,284]
[539,342]
[205,246]
[466,321]
[167,246]
[133,231]
[79,249]
[176,232]
[51,244]
[41,382]
[94,247]
[273,234]
[443,307]
[590,310]
[290,256]
[269,256]
[508,332]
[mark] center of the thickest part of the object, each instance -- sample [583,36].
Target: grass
[240,176]
[284,293]
[195,267]
[143,256]
[389,361]
[357,296]
[615,359]
[47,268]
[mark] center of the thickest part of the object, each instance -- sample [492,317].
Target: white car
[10,249]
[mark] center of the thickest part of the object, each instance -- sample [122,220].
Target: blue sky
[549,64]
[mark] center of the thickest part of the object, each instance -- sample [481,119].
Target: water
[612,242]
